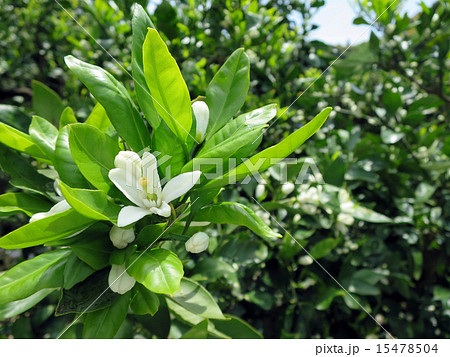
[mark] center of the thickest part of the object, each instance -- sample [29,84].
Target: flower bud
[201,112]
[121,237]
[129,161]
[287,188]
[119,281]
[345,219]
[197,243]
[260,190]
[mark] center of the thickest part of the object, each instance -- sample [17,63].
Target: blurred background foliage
[386,148]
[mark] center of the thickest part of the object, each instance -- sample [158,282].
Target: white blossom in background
[120,238]
[287,188]
[309,198]
[201,113]
[61,206]
[138,180]
[345,217]
[197,243]
[260,190]
[119,281]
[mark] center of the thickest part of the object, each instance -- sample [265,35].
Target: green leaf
[25,279]
[365,214]
[196,299]
[235,213]
[45,230]
[144,301]
[172,157]
[14,116]
[214,268]
[67,117]
[323,248]
[46,102]
[89,295]
[167,86]
[274,154]
[106,322]
[117,102]
[198,331]
[94,246]
[159,270]
[15,308]
[11,203]
[235,135]
[94,153]
[228,90]
[23,174]
[65,165]
[75,271]
[20,141]
[150,233]
[159,324]
[93,204]
[99,119]
[234,327]
[44,135]
[140,23]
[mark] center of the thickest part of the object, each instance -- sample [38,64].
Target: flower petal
[179,185]
[150,171]
[164,210]
[131,214]
[128,185]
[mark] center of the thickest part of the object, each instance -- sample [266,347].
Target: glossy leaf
[365,214]
[44,135]
[89,295]
[45,230]
[227,91]
[17,307]
[199,331]
[140,24]
[25,279]
[235,213]
[67,117]
[159,270]
[106,322]
[93,204]
[172,158]
[20,141]
[12,203]
[167,86]
[75,271]
[14,116]
[235,135]
[99,119]
[234,327]
[46,102]
[23,174]
[94,153]
[196,299]
[274,154]
[65,165]
[144,301]
[117,102]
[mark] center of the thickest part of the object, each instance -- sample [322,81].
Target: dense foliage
[374,213]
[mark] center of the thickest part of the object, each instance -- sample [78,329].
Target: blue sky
[335,21]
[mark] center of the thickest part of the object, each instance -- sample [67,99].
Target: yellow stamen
[143,181]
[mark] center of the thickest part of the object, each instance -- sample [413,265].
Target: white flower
[61,206]
[201,112]
[260,190]
[197,243]
[119,281]
[121,237]
[139,182]
[58,208]
[287,188]
[345,219]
